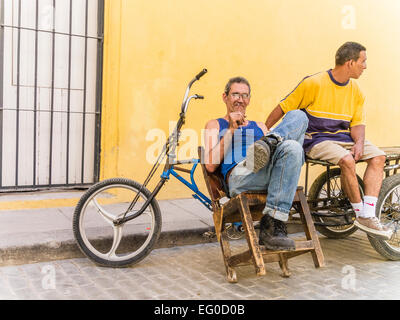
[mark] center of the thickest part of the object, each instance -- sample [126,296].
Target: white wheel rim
[394,248]
[111,255]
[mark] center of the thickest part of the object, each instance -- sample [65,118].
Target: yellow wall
[153,48]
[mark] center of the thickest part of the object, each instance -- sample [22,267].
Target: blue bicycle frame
[192,184]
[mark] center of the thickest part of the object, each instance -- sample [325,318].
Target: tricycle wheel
[388,212]
[338,203]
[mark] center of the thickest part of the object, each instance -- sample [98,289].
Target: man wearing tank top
[251,157]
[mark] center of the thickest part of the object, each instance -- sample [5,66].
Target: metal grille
[51,56]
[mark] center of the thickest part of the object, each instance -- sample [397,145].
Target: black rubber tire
[382,246]
[77,216]
[313,194]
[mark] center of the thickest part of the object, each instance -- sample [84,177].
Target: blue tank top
[242,139]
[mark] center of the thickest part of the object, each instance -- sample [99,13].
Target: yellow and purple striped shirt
[331,107]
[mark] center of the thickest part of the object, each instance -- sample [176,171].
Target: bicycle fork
[157,189]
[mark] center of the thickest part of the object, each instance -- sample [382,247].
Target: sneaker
[373,227]
[260,152]
[273,234]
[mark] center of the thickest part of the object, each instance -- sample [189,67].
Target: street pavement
[39,259]
[39,226]
[353,271]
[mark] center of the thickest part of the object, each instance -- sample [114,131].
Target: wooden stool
[246,208]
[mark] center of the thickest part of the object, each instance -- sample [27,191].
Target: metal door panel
[50,92]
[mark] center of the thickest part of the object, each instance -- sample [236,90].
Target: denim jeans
[280,176]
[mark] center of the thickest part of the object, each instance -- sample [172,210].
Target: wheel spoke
[108,217]
[116,241]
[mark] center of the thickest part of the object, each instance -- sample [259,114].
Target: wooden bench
[247,208]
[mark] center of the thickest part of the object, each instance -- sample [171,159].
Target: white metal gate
[50,92]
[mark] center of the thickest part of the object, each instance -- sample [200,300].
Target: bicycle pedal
[209,234]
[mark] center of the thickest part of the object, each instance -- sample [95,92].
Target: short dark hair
[236,80]
[348,51]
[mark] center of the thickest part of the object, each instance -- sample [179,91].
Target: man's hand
[236,119]
[357,150]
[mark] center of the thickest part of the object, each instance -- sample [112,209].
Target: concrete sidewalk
[37,226]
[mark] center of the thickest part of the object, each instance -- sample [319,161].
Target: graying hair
[236,80]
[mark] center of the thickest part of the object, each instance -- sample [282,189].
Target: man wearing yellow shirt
[333,103]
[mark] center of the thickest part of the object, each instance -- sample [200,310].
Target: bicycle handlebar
[174,137]
[201,73]
[185,99]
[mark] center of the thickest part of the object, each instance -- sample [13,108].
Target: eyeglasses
[236,96]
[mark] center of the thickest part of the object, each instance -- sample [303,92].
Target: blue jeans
[281,175]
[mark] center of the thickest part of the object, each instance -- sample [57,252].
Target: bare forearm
[217,153]
[358,134]
[274,116]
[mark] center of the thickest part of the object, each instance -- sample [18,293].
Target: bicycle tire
[88,204]
[389,249]
[315,193]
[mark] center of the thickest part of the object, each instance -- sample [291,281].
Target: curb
[68,249]
[53,250]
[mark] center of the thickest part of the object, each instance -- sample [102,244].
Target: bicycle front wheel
[97,236]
